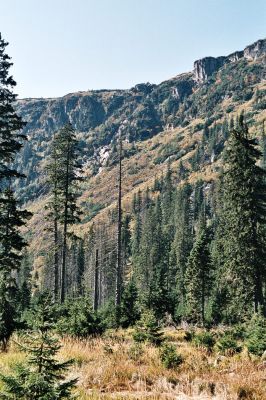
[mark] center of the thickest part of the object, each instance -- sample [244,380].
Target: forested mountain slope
[172,135]
[217,88]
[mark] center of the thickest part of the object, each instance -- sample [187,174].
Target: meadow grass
[115,367]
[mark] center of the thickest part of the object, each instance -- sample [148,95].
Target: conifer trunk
[56,261]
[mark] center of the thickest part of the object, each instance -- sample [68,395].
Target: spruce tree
[42,376]
[129,305]
[181,245]
[242,219]
[148,329]
[158,296]
[11,138]
[136,234]
[62,176]
[198,278]
[11,218]
[11,245]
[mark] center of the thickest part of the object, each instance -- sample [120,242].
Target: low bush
[256,335]
[189,335]
[205,340]
[78,319]
[169,357]
[135,351]
[148,329]
[228,345]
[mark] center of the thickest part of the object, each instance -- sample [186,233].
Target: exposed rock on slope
[205,67]
[217,87]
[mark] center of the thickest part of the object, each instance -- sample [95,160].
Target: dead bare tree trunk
[96,282]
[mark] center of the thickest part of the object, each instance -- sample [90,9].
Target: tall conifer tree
[198,278]
[243,215]
[11,218]
[63,175]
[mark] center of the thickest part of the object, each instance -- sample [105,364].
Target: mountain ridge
[256,49]
[148,110]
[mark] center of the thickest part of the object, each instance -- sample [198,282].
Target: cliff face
[255,50]
[205,67]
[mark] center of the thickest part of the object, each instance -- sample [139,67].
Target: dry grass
[114,367]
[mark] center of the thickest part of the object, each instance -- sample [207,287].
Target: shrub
[189,335]
[169,356]
[135,351]
[41,376]
[238,332]
[148,329]
[204,339]
[228,345]
[107,315]
[78,319]
[129,305]
[256,335]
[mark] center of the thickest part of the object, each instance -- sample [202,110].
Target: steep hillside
[183,122]
[175,112]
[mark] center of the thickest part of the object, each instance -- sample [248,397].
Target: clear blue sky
[62,46]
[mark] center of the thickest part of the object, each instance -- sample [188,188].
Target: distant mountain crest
[206,66]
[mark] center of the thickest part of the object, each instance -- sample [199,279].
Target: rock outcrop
[205,67]
[235,56]
[255,50]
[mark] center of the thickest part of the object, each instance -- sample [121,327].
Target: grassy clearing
[115,367]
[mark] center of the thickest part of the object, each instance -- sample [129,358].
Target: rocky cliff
[205,67]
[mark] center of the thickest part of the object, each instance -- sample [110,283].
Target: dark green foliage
[11,245]
[78,319]
[107,315]
[181,245]
[228,345]
[198,278]
[130,312]
[169,357]
[148,329]
[238,332]
[11,217]
[150,262]
[204,339]
[242,235]
[7,313]
[256,335]
[189,335]
[62,177]
[42,376]
[11,124]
